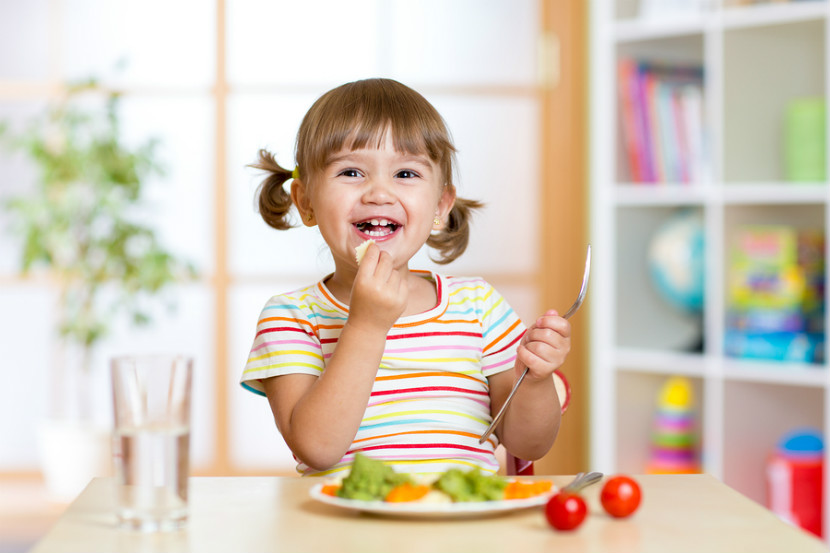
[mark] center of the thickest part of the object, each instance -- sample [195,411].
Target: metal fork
[579,299]
[582,480]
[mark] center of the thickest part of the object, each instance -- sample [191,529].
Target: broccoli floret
[370,479]
[471,485]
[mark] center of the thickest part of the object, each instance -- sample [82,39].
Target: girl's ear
[299,195]
[445,203]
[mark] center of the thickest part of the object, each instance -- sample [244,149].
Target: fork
[579,299]
[582,480]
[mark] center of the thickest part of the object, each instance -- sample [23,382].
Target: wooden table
[679,513]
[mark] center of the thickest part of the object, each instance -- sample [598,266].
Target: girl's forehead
[386,136]
[385,142]
[386,151]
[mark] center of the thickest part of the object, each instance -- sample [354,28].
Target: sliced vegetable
[407,492]
[330,489]
[523,489]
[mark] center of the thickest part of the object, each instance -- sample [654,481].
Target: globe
[675,259]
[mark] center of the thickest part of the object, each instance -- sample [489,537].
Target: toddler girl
[403,365]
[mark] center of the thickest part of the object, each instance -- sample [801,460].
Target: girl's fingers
[555,323]
[385,267]
[547,335]
[540,364]
[376,263]
[548,352]
[370,260]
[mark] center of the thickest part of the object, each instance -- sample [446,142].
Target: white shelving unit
[756,59]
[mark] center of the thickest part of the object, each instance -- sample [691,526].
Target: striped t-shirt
[430,401]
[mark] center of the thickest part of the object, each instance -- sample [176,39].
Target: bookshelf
[756,59]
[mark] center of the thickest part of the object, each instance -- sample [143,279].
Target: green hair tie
[295,174]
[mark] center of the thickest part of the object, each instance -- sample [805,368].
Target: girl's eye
[406,174]
[353,173]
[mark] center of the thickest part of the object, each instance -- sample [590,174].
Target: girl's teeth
[378,232]
[377,227]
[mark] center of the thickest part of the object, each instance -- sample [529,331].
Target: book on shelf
[661,119]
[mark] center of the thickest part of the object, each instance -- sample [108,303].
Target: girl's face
[382,194]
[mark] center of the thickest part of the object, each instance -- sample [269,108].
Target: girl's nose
[379,190]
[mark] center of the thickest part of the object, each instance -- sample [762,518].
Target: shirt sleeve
[502,331]
[286,342]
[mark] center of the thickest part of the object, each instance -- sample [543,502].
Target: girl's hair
[358,115]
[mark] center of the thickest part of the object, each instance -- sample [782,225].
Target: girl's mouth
[377,228]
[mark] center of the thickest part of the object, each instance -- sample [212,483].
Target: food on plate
[370,479]
[360,251]
[471,485]
[520,489]
[407,492]
[566,510]
[330,489]
[373,480]
[620,496]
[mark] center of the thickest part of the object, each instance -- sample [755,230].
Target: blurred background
[211,83]
[702,136]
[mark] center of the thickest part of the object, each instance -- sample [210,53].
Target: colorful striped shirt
[430,400]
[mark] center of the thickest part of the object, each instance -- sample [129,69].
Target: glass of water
[151,445]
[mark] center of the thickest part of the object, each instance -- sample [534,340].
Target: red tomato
[565,511]
[620,496]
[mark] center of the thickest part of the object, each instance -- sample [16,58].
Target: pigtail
[451,241]
[274,201]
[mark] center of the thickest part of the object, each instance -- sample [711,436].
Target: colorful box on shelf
[775,295]
[795,347]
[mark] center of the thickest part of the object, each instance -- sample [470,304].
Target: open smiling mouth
[377,228]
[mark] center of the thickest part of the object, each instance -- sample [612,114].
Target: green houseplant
[83,224]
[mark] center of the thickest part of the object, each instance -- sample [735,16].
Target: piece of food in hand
[360,251]
[370,479]
[565,511]
[620,496]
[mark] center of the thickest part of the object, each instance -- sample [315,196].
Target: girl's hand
[544,346]
[379,293]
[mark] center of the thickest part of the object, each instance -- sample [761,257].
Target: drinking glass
[151,444]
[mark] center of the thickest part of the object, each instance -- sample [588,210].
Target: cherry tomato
[620,496]
[565,511]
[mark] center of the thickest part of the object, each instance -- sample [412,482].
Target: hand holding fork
[580,298]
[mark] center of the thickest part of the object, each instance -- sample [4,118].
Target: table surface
[245,514]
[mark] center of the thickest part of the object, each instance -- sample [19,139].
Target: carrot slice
[519,489]
[406,492]
[330,489]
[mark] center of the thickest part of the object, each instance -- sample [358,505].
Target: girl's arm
[319,416]
[531,423]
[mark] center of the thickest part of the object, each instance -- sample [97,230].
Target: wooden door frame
[565,217]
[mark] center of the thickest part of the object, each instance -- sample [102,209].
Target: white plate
[431,510]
